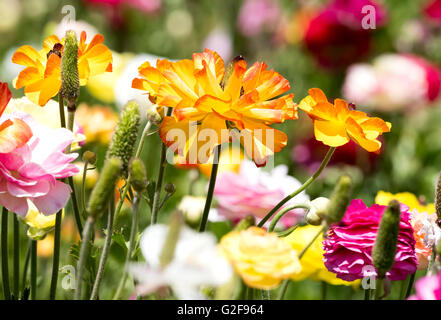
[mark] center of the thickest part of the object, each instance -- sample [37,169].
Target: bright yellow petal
[331,133]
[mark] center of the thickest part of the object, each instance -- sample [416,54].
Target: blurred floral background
[391,70]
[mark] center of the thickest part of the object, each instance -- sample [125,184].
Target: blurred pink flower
[433,11]
[393,82]
[348,246]
[30,173]
[255,192]
[336,37]
[257,15]
[428,288]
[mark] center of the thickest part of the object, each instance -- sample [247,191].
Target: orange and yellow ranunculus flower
[42,76]
[14,133]
[261,258]
[336,123]
[240,107]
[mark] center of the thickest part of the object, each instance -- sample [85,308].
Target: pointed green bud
[385,246]
[138,175]
[171,240]
[230,70]
[339,200]
[89,157]
[104,187]
[70,81]
[124,138]
[245,223]
[438,200]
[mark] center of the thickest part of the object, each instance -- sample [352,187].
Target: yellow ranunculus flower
[39,224]
[312,263]
[383,198]
[262,259]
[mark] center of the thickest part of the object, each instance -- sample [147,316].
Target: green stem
[378,289]
[302,188]
[283,289]
[61,110]
[284,211]
[324,290]
[105,251]
[83,187]
[87,233]
[133,232]
[56,257]
[311,242]
[16,257]
[410,285]
[34,270]
[211,186]
[5,260]
[26,265]
[158,187]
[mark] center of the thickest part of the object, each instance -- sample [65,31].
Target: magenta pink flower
[336,37]
[348,246]
[428,288]
[30,173]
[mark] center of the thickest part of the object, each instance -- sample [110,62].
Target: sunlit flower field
[220,150]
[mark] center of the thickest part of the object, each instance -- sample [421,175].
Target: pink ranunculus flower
[428,288]
[31,173]
[255,192]
[393,82]
[348,245]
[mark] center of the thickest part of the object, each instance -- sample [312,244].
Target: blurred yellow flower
[103,85]
[91,177]
[312,263]
[98,122]
[262,259]
[383,198]
[45,247]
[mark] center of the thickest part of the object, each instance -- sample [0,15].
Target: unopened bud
[385,247]
[318,211]
[70,81]
[339,200]
[124,138]
[245,223]
[104,187]
[154,116]
[138,175]
[230,69]
[89,157]
[170,188]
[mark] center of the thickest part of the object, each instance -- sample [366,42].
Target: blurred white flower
[192,208]
[393,82]
[196,263]
[77,26]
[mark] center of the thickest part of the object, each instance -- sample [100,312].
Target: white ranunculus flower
[196,263]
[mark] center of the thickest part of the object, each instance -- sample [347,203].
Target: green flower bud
[339,200]
[438,200]
[138,175]
[124,138]
[385,246]
[70,83]
[89,157]
[245,223]
[170,188]
[104,187]
[171,240]
[317,212]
